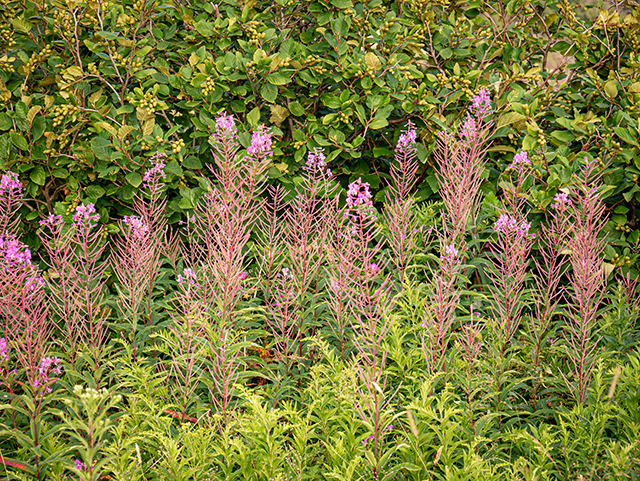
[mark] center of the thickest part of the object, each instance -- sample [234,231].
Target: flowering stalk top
[407,140]
[358,194]
[521,161]
[13,252]
[10,184]
[51,221]
[561,202]
[48,366]
[156,171]
[4,350]
[481,103]
[188,276]
[506,224]
[261,143]
[138,228]
[226,129]
[316,162]
[85,215]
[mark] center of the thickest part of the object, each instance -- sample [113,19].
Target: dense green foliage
[91,89]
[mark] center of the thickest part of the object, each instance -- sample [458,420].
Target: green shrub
[91,89]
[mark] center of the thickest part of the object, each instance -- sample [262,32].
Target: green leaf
[94,192]
[192,162]
[19,141]
[204,28]
[38,175]
[342,4]
[253,117]
[509,118]
[269,92]
[446,53]
[563,136]
[611,89]
[5,122]
[134,179]
[276,78]
[626,136]
[378,123]
[296,108]
[37,129]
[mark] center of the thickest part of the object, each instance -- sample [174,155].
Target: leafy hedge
[90,90]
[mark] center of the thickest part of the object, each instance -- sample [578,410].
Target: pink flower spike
[407,140]
[226,129]
[85,214]
[521,161]
[10,183]
[261,142]
[481,103]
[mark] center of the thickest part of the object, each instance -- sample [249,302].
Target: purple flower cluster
[79,465]
[359,195]
[86,214]
[243,276]
[14,252]
[225,128]
[449,254]
[469,129]
[51,221]
[10,183]
[561,202]
[188,276]
[481,103]
[137,226]
[157,169]
[521,161]
[261,143]
[48,366]
[4,350]
[35,282]
[507,224]
[372,269]
[316,162]
[407,140]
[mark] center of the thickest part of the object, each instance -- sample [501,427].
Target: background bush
[90,90]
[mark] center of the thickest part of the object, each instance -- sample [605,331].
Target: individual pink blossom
[51,221]
[316,162]
[561,202]
[261,143]
[243,276]
[86,214]
[226,129]
[156,171]
[188,276]
[48,366]
[138,228]
[521,161]
[79,465]
[373,268]
[10,183]
[481,103]
[4,350]
[13,251]
[407,139]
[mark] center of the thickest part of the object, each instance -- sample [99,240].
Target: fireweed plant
[308,332]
